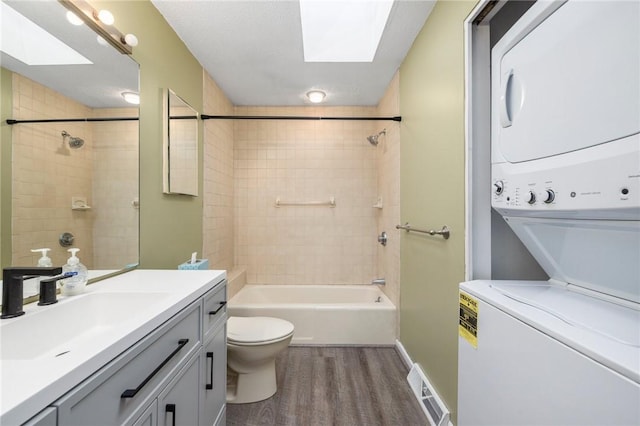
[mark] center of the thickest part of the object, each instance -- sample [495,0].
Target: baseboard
[404,355]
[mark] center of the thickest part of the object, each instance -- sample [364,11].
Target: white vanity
[143,348]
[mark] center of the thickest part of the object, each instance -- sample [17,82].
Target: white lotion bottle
[44,262]
[76,283]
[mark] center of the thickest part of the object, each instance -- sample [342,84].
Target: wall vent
[431,404]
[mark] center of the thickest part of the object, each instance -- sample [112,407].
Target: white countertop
[29,385]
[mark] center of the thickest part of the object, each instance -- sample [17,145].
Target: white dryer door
[570,82]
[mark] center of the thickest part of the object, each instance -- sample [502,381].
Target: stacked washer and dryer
[566,178]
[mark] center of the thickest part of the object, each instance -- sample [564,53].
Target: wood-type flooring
[335,386]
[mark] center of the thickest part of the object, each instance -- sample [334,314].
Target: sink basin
[54,330]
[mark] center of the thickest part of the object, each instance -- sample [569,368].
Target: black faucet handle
[48,291]
[12,294]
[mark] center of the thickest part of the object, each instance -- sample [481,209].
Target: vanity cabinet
[178,402]
[213,395]
[175,375]
[149,417]
[214,368]
[46,417]
[115,394]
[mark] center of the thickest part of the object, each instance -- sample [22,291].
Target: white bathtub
[323,314]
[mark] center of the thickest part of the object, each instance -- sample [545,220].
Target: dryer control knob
[550,196]
[531,197]
[498,187]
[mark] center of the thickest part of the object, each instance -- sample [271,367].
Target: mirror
[78,172]
[180,146]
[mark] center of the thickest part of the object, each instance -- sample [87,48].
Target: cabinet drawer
[140,371]
[215,308]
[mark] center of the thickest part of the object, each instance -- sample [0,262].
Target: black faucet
[12,293]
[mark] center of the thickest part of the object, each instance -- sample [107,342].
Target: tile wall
[47,174]
[115,189]
[218,223]
[305,161]
[250,163]
[388,165]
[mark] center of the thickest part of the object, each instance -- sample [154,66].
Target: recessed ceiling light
[29,43]
[131,97]
[342,31]
[316,96]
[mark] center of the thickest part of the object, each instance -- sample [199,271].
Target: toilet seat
[257,330]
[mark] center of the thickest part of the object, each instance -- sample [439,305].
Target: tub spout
[378,281]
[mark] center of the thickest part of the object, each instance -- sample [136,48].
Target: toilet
[252,346]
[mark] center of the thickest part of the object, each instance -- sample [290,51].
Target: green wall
[432,194]
[6,108]
[170,225]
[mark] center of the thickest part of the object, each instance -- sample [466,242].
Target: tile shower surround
[46,174]
[250,163]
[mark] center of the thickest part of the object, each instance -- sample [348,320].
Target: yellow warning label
[468,325]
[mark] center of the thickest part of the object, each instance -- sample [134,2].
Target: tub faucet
[12,292]
[378,281]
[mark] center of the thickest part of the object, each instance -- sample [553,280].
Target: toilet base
[256,386]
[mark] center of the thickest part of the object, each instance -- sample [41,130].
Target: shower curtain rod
[70,120]
[294,117]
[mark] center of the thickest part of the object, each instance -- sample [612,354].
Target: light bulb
[131,40]
[102,41]
[73,18]
[106,17]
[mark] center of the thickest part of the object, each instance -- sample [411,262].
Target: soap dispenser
[44,261]
[77,282]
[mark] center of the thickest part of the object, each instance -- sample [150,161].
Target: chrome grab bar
[330,203]
[444,232]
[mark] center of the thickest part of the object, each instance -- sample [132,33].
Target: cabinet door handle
[209,386]
[218,310]
[130,393]
[171,408]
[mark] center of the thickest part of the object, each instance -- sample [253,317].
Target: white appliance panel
[602,182]
[603,256]
[521,376]
[567,82]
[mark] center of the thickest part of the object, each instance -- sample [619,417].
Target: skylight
[27,42]
[342,31]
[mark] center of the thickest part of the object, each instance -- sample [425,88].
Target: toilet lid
[257,329]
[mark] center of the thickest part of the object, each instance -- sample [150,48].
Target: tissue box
[199,264]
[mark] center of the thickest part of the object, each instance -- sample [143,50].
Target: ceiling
[98,85]
[253,50]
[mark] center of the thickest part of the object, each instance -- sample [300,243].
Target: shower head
[373,139]
[74,142]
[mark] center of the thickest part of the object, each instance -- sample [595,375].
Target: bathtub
[323,314]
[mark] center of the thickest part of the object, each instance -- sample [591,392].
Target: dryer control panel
[601,182]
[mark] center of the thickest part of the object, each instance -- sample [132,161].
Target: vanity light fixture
[102,23]
[131,97]
[316,96]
